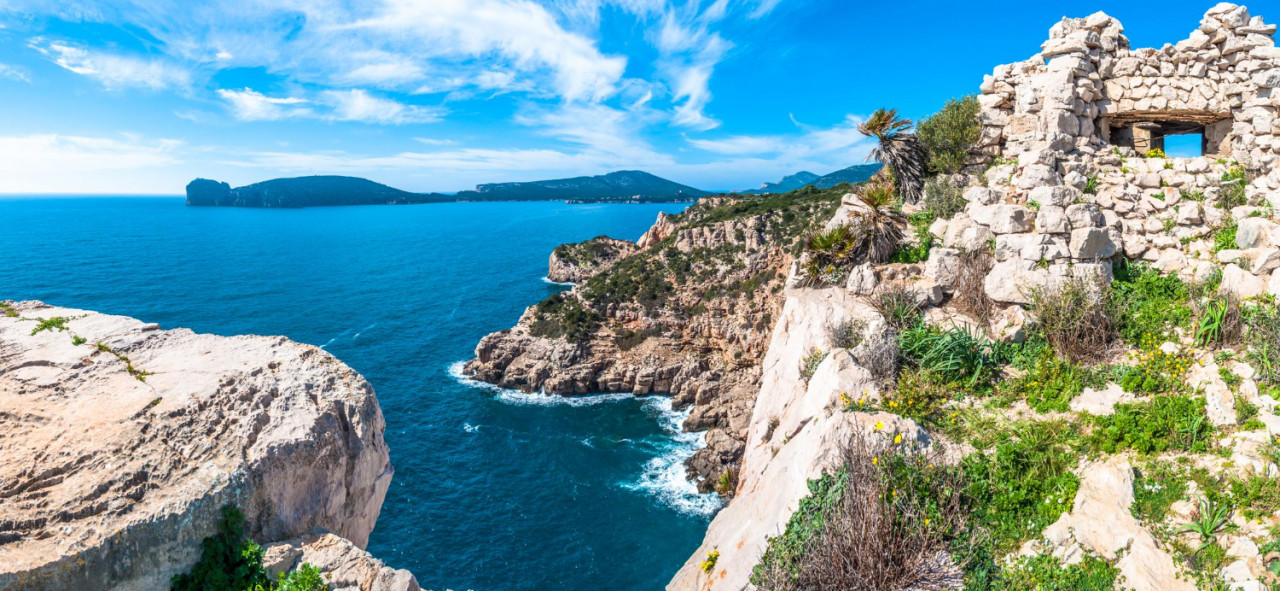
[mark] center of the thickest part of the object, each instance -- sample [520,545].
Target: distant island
[624,186]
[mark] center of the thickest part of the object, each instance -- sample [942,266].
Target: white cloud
[14,73]
[740,144]
[250,105]
[359,105]
[47,163]
[690,51]
[113,71]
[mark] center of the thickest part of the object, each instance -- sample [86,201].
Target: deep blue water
[493,490]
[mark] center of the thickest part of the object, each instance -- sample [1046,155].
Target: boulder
[1241,283]
[942,266]
[1100,522]
[1091,243]
[144,462]
[1059,196]
[1013,281]
[1084,215]
[862,279]
[1052,219]
[965,234]
[1256,232]
[1003,219]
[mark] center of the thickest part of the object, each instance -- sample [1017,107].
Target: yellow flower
[926,521]
[897,439]
[875,461]
[879,425]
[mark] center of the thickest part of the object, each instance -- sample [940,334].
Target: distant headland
[624,186]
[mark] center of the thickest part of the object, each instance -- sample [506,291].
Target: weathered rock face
[345,566]
[112,482]
[795,435]
[571,263]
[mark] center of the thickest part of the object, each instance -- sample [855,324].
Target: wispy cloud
[331,105]
[251,105]
[14,73]
[113,71]
[359,105]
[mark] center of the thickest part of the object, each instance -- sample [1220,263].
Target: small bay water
[493,489]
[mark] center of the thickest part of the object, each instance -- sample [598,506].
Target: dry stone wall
[1067,189]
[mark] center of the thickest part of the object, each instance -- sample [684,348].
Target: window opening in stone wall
[1187,145]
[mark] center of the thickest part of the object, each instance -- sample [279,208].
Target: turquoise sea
[493,489]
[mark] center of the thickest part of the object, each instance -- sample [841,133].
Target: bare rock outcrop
[122,442]
[571,263]
[345,567]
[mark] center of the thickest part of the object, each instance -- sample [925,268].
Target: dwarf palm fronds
[880,222]
[897,149]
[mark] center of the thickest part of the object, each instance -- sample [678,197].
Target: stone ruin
[1067,187]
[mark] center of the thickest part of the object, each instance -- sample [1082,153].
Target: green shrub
[1150,305]
[8,310]
[921,396]
[1256,496]
[943,198]
[1091,185]
[563,315]
[1046,573]
[230,561]
[1156,487]
[1224,237]
[637,279]
[1022,486]
[1233,183]
[1263,336]
[955,355]
[1165,423]
[628,339]
[1156,372]
[950,134]
[918,251]
[58,323]
[1049,384]
[809,363]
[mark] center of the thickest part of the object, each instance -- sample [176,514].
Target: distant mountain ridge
[854,174]
[326,190]
[620,185]
[788,183]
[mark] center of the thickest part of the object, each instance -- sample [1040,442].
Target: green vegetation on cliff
[230,561]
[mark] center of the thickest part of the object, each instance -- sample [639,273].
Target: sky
[140,97]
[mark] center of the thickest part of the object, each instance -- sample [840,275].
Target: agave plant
[1207,520]
[899,150]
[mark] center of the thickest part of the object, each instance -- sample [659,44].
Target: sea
[493,489]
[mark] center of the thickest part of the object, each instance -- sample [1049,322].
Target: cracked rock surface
[122,441]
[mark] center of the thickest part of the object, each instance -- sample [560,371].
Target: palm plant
[880,222]
[898,149]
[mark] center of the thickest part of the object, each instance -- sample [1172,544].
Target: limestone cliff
[123,441]
[688,315]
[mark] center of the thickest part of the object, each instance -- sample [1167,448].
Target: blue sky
[439,95]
